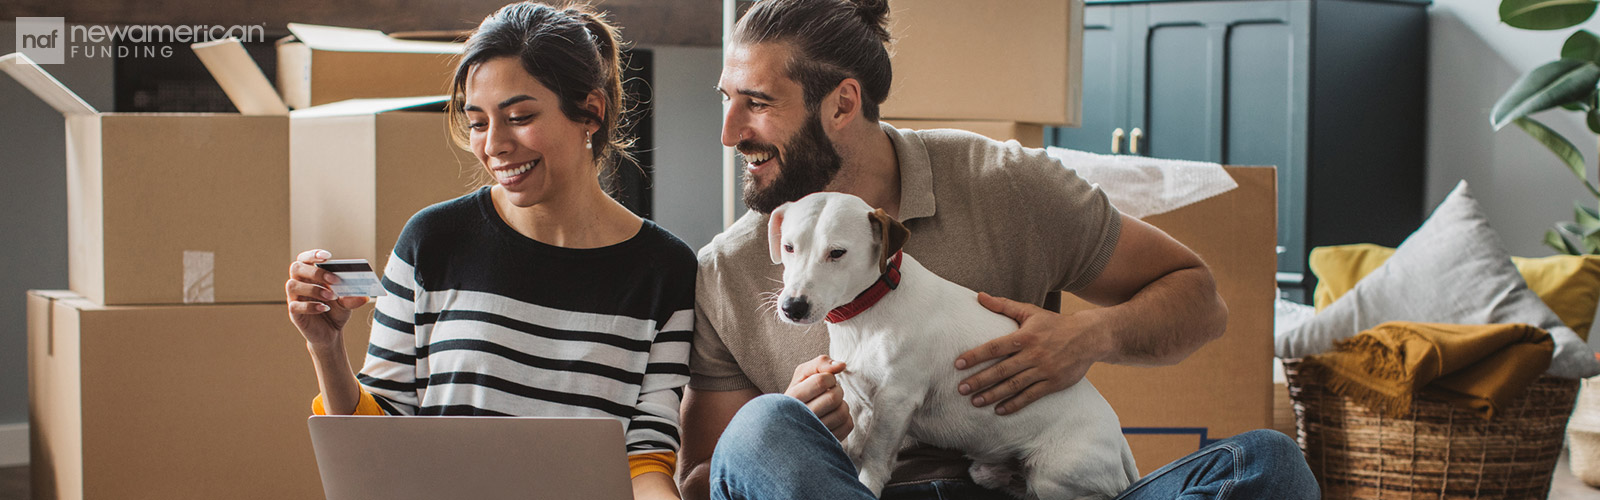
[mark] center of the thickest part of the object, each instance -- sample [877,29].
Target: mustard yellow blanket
[1481,368]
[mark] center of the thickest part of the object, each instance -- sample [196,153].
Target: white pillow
[1452,270]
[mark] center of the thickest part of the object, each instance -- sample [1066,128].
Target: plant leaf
[1546,14]
[1572,235]
[1591,243]
[1556,242]
[1587,219]
[1547,86]
[1592,118]
[1558,145]
[1583,46]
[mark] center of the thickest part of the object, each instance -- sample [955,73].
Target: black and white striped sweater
[481,320]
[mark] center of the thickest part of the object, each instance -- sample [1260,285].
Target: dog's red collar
[890,280]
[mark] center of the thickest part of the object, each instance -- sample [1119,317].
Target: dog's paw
[1001,476]
[853,448]
[874,482]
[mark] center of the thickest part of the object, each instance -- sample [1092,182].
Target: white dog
[899,332]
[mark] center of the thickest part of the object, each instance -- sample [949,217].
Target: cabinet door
[1226,82]
[1105,81]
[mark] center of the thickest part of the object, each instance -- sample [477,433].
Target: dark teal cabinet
[1332,92]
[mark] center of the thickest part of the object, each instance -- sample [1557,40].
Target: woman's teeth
[507,174]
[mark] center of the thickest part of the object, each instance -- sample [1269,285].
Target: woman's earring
[586,142]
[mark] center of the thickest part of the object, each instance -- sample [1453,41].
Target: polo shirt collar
[916,173]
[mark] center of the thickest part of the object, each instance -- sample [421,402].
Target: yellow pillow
[1569,284]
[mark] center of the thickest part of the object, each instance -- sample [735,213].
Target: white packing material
[1141,186]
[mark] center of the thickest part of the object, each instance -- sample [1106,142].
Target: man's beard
[809,163]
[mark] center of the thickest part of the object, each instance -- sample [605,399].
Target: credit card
[356,278]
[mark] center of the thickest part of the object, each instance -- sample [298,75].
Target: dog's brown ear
[775,234]
[892,236]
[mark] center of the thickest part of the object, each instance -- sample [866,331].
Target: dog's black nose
[796,307]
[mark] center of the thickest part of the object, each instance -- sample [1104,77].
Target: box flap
[240,77]
[360,40]
[30,75]
[354,107]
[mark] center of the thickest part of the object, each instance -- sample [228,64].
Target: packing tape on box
[199,277]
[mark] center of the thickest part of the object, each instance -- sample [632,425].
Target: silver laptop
[390,457]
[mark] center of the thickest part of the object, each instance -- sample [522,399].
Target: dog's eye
[789,248]
[836,254]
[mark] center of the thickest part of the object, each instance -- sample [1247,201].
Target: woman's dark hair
[571,50]
[832,40]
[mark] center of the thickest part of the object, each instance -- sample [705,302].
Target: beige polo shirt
[994,217]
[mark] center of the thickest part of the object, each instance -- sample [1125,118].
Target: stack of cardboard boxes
[170,370]
[1006,73]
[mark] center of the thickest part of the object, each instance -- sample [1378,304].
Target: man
[805,78]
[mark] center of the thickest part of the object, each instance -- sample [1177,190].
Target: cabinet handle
[1116,140]
[1133,140]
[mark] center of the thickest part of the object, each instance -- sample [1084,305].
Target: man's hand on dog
[815,385]
[1049,352]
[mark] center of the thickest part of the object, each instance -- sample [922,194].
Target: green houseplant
[1569,82]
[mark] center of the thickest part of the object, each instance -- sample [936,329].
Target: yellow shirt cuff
[663,462]
[367,405]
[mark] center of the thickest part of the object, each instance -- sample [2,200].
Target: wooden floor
[14,484]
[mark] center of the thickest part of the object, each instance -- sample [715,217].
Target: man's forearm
[1166,321]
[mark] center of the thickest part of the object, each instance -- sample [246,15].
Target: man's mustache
[747,147]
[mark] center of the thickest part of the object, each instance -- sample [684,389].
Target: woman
[538,295]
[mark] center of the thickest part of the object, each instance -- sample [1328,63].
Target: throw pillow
[1451,270]
[1568,284]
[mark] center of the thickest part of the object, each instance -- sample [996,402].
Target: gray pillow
[1452,270]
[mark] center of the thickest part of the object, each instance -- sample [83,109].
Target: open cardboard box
[359,169]
[1225,388]
[167,402]
[323,64]
[170,208]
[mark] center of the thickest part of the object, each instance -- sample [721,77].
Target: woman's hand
[313,308]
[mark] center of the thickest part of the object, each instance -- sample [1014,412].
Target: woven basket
[1438,451]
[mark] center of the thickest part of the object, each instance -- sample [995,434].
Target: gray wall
[688,154]
[33,155]
[1522,186]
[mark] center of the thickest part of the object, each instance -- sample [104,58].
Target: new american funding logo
[48,40]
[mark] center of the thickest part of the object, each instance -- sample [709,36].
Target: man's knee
[761,421]
[767,409]
[1270,445]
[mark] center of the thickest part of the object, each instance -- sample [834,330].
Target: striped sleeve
[654,426]
[390,370]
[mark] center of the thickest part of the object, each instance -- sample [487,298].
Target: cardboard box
[170,402]
[1225,388]
[956,60]
[1028,134]
[324,64]
[360,169]
[170,208]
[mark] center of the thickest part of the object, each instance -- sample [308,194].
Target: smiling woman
[538,295]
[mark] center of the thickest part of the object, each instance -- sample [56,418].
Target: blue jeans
[775,448]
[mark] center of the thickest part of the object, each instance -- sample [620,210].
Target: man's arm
[1160,305]
[704,416]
